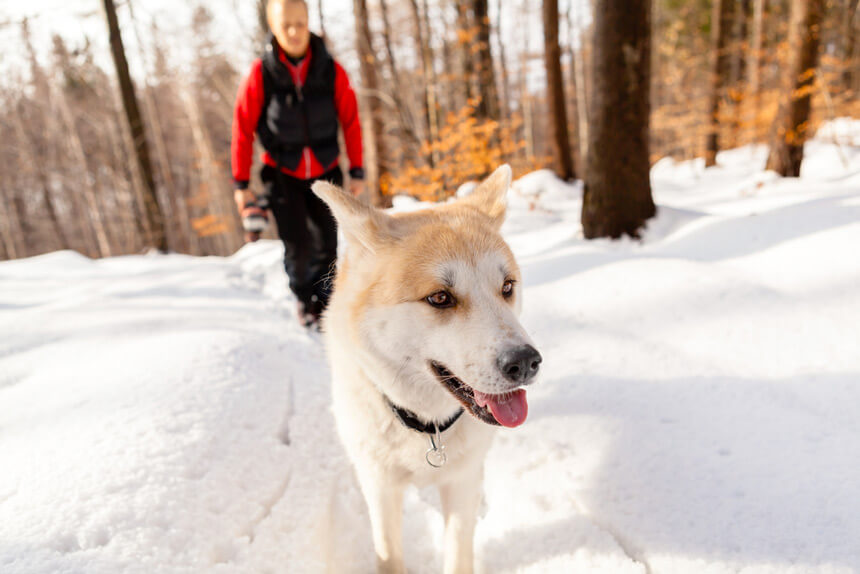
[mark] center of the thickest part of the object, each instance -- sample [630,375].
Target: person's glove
[255,219]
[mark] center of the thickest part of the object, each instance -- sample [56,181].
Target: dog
[421,328]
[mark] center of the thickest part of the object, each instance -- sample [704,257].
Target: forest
[132,155]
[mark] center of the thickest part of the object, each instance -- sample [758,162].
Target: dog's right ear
[490,197]
[361,222]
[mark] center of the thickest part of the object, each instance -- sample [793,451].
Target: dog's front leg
[384,498]
[460,502]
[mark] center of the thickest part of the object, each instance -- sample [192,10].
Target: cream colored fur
[381,333]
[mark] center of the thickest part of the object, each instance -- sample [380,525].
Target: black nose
[520,364]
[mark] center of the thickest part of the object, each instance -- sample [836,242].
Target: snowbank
[696,412]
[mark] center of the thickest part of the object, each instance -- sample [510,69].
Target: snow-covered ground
[698,410]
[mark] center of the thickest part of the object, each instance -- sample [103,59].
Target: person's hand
[243,197]
[356,187]
[255,218]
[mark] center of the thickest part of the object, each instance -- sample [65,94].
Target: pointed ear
[361,222]
[490,196]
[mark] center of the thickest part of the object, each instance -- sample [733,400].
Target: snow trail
[696,410]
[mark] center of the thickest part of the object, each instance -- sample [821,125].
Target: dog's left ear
[359,221]
[491,195]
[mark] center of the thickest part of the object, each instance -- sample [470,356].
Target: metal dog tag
[436,456]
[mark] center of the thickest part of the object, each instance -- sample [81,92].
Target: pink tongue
[509,410]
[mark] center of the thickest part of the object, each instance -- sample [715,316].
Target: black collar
[411,420]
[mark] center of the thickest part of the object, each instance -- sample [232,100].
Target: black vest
[293,118]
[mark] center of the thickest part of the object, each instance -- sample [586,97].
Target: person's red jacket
[249,105]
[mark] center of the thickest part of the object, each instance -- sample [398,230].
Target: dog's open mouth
[507,409]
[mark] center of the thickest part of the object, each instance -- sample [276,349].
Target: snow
[696,412]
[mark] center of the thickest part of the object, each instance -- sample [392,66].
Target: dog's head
[429,301]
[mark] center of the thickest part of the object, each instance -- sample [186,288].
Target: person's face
[289,24]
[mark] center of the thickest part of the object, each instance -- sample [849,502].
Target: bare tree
[720,20]
[40,171]
[791,127]
[741,11]
[754,65]
[428,74]
[94,208]
[617,196]
[71,177]
[577,62]
[213,181]
[525,96]
[374,149]
[850,31]
[489,106]
[404,113]
[28,139]
[430,65]
[158,237]
[503,63]
[464,40]
[10,226]
[555,91]
[170,200]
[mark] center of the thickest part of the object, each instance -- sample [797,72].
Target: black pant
[308,230]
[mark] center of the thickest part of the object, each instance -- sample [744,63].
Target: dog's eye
[441,300]
[508,288]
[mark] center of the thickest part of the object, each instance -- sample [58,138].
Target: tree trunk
[571,88]
[215,185]
[737,64]
[503,64]
[129,219]
[430,65]
[121,141]
[158,238]
[26,232]
[38,78]
[754,65]
[555,91]
[36,145]
[407,125]
[39,168]
[465,36]
[720,20]
[94,212]
[10,231]
[617,196]
[791,127]
[428,73]
[451,90]
[525,95]
[171,202]
[850,32]
[374,149]
[577,62]
[489,106]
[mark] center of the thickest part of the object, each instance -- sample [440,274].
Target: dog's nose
[520,364]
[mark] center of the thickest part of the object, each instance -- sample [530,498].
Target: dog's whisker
[400,369]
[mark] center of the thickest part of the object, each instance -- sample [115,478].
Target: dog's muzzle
[518,365]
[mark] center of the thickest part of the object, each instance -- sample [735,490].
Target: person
[293,100]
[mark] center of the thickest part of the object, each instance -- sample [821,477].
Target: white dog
[422,326]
